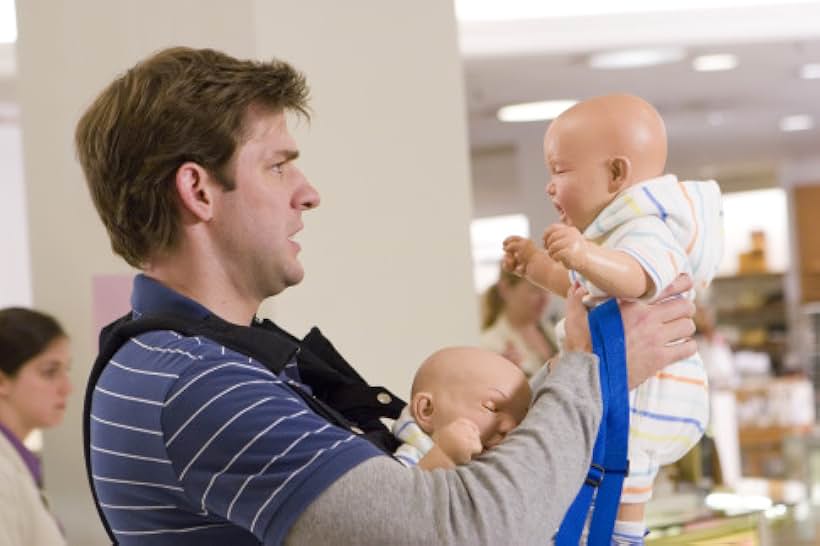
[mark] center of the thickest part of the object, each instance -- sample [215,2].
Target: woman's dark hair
[24,333]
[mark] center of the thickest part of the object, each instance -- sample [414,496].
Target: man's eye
[279,168]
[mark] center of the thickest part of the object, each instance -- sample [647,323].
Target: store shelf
[755,436]
[752,308]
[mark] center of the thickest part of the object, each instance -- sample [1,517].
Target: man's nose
[308,197]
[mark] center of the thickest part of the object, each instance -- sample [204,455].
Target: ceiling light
[810,71]
[714,63]
[800,122]
[634,58]
[534,111]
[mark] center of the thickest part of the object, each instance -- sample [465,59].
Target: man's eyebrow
[288,155]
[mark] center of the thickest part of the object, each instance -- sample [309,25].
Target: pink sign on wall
[111,295]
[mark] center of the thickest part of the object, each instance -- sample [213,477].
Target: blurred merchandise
[752,363]
[774,414]
[754,260]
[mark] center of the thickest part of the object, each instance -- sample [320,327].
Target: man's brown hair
[178,105]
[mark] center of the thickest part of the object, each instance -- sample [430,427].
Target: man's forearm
[516,493]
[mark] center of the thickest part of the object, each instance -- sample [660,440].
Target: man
[191,166]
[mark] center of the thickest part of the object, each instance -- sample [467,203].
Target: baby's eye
[490,406]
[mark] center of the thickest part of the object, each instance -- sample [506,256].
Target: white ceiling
[546,59]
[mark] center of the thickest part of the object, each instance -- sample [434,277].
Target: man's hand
[460,440]
[658,334]
[517,254]
[565,244]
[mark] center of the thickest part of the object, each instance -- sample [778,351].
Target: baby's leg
[629,527]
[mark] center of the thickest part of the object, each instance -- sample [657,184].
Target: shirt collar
[151,297]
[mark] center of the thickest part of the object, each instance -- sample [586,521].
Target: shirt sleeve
[247,448]
[516,493]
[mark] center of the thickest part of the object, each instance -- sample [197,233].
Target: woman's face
[524,301]
[37,395]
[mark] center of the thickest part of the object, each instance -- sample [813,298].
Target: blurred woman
[34,389]
[513,322]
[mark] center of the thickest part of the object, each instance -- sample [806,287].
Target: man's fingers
[679,351]
[678,308]
[679,285]
[677,329]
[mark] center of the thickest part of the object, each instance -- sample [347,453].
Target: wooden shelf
[752,436]
[767,311]
[749,276]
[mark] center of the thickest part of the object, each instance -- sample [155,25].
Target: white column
[387,254]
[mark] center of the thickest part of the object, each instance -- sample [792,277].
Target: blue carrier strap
[609,455]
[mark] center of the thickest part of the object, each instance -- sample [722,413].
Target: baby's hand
[517,254]
[565,244]
[459,440]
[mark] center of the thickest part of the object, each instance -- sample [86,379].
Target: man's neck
[212,288]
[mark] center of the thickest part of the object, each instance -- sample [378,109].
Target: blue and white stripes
[192,443]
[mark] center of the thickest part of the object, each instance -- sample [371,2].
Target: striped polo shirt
[193,443]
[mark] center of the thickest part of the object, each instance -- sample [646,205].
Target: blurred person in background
[34,390]
[714,349]
[513,322]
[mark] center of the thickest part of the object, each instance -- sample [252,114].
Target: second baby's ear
[422,408]
[620,169]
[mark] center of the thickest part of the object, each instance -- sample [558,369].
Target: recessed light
[635,58]
[800,122]
[714,63]
[810,71]
[534,111]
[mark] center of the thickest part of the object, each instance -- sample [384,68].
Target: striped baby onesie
[670,227]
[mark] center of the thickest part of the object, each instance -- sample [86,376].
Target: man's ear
[195,188]
[620,169]
[422,408]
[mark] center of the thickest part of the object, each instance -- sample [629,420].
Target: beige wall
[387,253]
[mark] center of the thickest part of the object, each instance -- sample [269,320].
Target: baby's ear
[422,409]
[620,169]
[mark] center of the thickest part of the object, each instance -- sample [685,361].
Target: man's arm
[516,493]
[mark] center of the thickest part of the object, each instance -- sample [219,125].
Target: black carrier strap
[339,393]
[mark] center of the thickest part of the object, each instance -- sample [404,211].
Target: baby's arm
[613,271]
[522,258]
[454,444]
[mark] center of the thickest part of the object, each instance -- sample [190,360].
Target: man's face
[495,396]
[579,173]
[257,221]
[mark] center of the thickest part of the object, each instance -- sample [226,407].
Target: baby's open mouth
[561,213]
